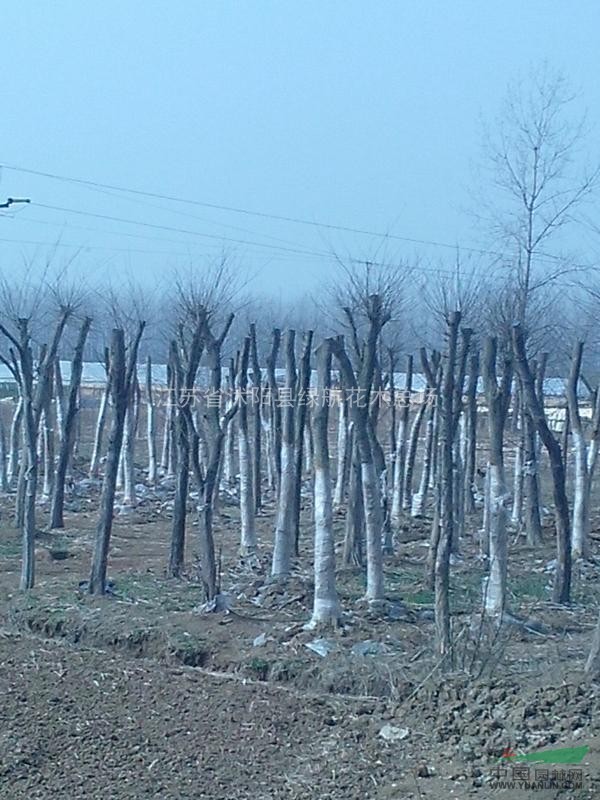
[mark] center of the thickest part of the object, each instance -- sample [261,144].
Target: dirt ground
[141,694]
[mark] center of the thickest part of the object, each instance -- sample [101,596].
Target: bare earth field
[141,694]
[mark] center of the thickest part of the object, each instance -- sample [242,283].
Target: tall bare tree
[121,373]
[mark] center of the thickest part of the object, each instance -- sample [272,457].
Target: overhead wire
[263,214]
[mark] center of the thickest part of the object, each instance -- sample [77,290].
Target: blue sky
[359,114]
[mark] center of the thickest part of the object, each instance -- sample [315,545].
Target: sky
[362,115]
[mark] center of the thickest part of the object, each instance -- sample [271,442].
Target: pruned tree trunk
[354,536]
[562,577]
[301,401]
[120,380]
[582,487]
[59,393]
[4,484]
[30,428]
[228,465]
[257,419]
[150,425]
[68,430]
[420,497]
[248,543]
[181,399]
[47,442]
[400,461]
[497,397]
[326,606]
[167,443]
[275,434]
[446,512]
[373,510]
[412,454]
[533,521]
[182,369]
[484,543]
[343,453]
[207,476]
[100,423]
[517,508]
[284,527]
[471,436]
[433,377]
[15,438]
[128,450]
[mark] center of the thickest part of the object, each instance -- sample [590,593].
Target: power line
[91,247]
[262,214]
[169,210]
[132,235]
[37,242]
[179,230]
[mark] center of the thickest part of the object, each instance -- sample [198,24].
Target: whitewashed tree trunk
[257,421]
[498,398]
[484,543]
[59,398]
[498,555]
[300,414]
[412,454]
[228,466]
[275,410]
[373,525]
[343,454]
[420,497]
[470,456]
[326,606]
[584,459]
[47,442]
[581,499]
[284,528]
[4,485]
[128,458]
[99,432]
[150,425]
[15,439]
[248,544]
[517,508]
[401,448]
[167,440]
[309,447]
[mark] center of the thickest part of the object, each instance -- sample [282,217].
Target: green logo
[563,755]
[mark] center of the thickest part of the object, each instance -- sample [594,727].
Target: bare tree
[378,316]
[531,156]
[68,429]
[122,367]
[562,579]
